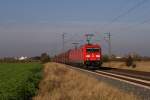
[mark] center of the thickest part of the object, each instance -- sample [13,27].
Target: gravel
[141,92]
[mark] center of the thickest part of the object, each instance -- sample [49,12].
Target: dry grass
[140,65]
[62,83]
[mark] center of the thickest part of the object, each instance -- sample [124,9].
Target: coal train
[85,55]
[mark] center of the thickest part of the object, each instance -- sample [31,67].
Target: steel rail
[123,78]
[127,79]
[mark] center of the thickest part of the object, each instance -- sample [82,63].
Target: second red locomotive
[88,55]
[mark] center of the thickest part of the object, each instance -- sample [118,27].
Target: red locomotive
[88,54]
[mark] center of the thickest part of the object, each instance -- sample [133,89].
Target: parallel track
[136,74]
[136,78]
[125,78]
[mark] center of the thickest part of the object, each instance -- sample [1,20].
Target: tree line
[43,58]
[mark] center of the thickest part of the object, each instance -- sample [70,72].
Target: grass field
[140,65]
[19,81]
[62,83]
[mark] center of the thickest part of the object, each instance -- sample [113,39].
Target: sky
[31,27]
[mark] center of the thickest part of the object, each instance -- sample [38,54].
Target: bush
[105,58]
[129,61]
[134,65]
[45,58]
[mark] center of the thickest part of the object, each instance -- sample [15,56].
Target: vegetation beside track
[19,81]
[63,83]
[140,65]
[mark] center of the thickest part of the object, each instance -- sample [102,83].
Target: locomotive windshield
[93,50]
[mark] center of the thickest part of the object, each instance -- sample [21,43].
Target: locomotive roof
[82,46]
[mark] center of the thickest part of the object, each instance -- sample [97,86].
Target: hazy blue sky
[30,27]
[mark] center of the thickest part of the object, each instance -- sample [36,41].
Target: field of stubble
[140,65]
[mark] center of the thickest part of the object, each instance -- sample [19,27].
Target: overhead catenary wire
[72,37]
[70,40]
[145,21]
[129,10]
[135,25]
[117,17]
[122,15]
[125,13]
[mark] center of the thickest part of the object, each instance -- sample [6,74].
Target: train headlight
[88,56]
[97,56]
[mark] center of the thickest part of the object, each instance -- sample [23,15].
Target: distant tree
[35,58]
[9,60]
[45,58]
[129,61]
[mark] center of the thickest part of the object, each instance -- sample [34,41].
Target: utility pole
[110,53]
[63,41]
[75,45]
[109,45]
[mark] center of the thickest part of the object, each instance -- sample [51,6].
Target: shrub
[105,58]
[129,61]
[45,58]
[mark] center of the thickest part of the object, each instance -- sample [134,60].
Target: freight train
[86,55]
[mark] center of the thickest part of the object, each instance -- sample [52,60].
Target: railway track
[128,78]
[136,78]
[129,73]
